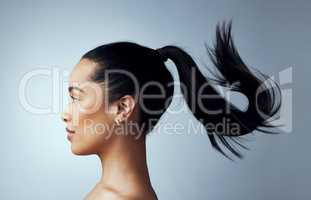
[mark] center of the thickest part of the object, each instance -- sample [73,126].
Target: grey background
[36,162]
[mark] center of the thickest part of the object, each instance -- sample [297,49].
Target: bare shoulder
[103,194]
[110,194]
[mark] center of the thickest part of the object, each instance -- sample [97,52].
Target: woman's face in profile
[88,123]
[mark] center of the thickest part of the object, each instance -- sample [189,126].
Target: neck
[124,165]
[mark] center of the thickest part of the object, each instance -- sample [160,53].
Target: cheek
[95,123]
[92,133]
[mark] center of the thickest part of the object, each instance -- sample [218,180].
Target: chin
[79,151]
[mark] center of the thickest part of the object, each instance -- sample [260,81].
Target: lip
[70,134]
[69,130]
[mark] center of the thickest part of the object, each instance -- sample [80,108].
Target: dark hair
[147,65]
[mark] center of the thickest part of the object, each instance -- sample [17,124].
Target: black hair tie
[161,55]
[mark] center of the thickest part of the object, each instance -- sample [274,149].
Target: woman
[111,106]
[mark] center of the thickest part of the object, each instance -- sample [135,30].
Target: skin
[122,155]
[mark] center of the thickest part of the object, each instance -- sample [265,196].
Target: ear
[125,107]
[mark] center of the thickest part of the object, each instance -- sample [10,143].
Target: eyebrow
[74,88]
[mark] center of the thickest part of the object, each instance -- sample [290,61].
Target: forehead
[82,72]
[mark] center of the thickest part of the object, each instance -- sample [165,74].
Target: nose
[65,117]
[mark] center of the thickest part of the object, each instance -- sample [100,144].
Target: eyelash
[74,98]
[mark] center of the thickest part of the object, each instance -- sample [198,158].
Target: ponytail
[263,101]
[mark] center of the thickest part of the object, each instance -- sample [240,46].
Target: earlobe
[117,121]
